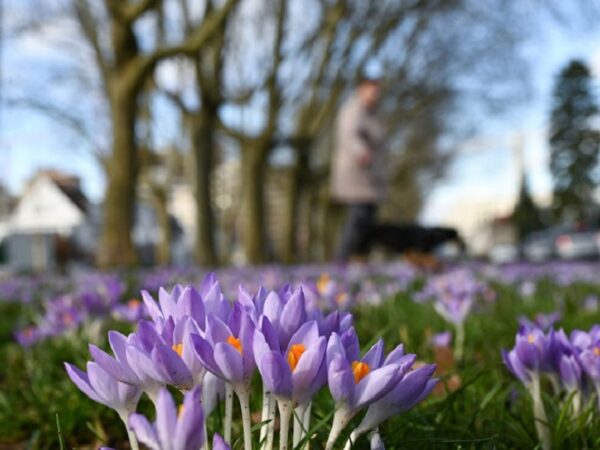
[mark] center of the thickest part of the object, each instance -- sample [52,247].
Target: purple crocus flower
[533,347]
[590,363]
[172,431]
[132,311]
[356,382]
[443,339]
[119,366]
[286,312]
[101,387]
[28,336]
[226,350]
[219,443]
[570,372]
[414,386]
[158,357]
[297,373]
[181,302]
[149,359]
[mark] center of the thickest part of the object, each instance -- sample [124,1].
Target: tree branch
[88,25]
[194,41]
[132,11]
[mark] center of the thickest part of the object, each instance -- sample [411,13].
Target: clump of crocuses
[210,348]
[453,295]
[571,364]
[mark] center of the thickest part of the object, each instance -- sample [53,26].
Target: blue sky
[29,141]
[486,167]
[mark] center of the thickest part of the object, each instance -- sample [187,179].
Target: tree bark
[253,174]
[203,125]
[117,247]
[294,195]
[163,254]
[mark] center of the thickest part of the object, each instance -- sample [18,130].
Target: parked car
[562,242]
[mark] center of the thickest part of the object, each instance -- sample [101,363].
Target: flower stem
[228,413]
[204,429]
[272,410]
[266,399]
[286,408]
[356,433]
[342,416]
[459,343]
[375,439]
[133,443]
[298,424]
[244,397]
[306,424]
[539,413]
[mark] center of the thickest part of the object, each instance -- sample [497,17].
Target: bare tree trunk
[163,254]
[298,176]
[116,248]
[203,139]
[253,174]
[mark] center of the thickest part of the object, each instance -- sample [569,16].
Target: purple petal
[269,333]
[395,355]
[349,341]
[112,366]
[105,385]
[234,321]
[142,365]
[272,309]
[216,330]
[335,348]
[213,390]
[292,317]
[219,443]
[305,373]
[172,368]
[205,353]
[376,384]
[167,304]
[307,335]
[147,335]
[81,380]
[166,418]
[189,432]
[229,361]
[374,356]
[340,379]
[276,374]
[145,432]
[151,306]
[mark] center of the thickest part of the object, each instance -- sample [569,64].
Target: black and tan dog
[415,242]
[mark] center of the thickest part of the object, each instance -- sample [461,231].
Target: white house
[50,222]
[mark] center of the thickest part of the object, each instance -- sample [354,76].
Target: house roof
[69,185]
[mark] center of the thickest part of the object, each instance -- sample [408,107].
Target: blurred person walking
[355,178]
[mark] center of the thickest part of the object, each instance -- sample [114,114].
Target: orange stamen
[178,348]
[294,355]
[235,342]
[360,370]
[341,298]
[180,410]
[596,351]
[322,282]
[133,303]
[531,338]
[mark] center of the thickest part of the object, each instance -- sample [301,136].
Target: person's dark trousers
[359,217]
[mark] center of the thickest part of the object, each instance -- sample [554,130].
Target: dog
[416,242]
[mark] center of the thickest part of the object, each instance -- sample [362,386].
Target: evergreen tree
[526,215]
[574,142]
